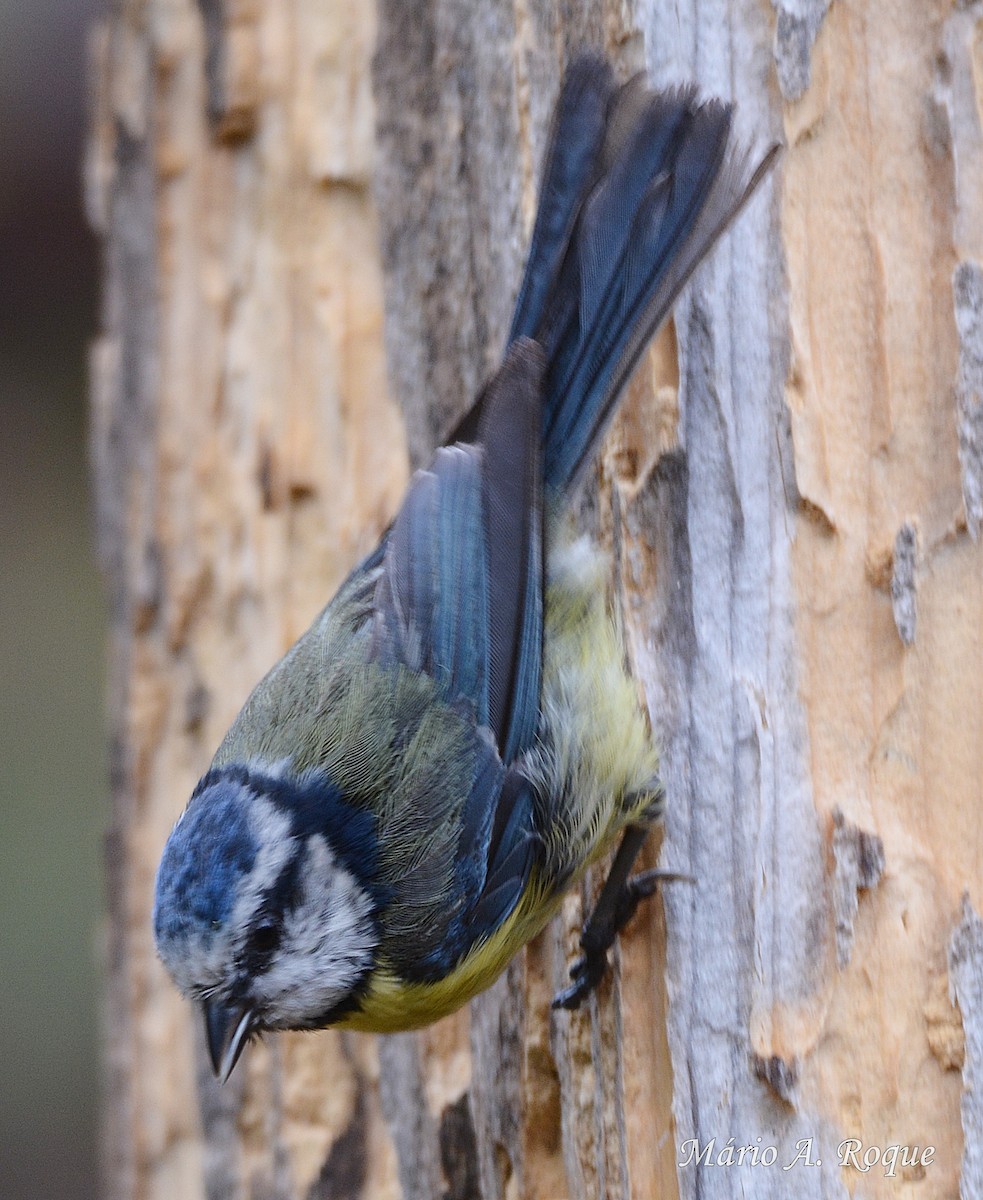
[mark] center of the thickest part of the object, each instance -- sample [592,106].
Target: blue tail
[637,187]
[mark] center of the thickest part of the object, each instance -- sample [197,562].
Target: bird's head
[266,907]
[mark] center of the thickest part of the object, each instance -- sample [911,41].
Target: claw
[587,973]
[598,934]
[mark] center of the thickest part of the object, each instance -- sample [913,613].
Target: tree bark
[792,498]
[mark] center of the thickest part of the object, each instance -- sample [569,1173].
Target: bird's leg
[620,896]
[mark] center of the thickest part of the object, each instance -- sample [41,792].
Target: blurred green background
[52,728]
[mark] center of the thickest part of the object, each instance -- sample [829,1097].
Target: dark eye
[265,939]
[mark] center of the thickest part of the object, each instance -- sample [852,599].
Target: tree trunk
[792,498]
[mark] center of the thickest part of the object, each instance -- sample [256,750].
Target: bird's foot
[605,923]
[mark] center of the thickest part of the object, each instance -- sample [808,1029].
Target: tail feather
[639,132]
[735,182]
[637,187]
[632,225]
[580,125]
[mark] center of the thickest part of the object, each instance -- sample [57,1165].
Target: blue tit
[406,796]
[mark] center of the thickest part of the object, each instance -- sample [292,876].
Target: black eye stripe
[266,934]
[261,945]
[265,938]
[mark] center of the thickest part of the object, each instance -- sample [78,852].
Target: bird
[405,798]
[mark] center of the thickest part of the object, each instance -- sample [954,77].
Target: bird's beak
[227,1029]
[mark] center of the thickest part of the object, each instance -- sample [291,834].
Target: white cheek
[328,943]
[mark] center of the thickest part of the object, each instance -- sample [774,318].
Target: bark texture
[792,498]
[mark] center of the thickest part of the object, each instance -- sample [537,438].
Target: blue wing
[432,596]
[460,595]
[496,850]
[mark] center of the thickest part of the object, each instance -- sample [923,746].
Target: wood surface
[314,217]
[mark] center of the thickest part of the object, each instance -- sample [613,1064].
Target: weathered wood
[791,498]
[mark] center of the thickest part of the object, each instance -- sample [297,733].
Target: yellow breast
[392,1004]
